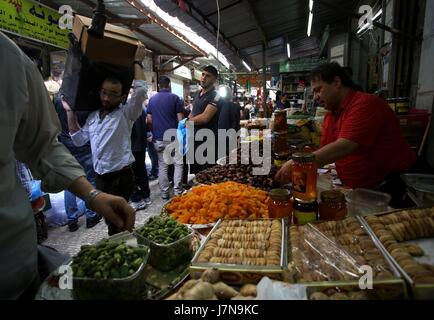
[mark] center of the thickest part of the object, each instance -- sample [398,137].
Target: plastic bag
[36,190]
[277,290]
[334,251]
[182,136]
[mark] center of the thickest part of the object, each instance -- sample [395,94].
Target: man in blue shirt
[165,110]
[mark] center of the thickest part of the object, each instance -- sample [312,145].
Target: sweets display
[334,251]
[252,243]
[208,203]
[401,226]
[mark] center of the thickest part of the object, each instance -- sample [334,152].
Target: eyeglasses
[110,95]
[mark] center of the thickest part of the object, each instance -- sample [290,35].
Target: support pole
[264,81]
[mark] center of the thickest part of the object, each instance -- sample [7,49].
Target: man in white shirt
[109,133]
[29,128]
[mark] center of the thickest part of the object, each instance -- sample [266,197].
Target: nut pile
[239,173]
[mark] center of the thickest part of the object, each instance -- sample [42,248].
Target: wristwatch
[139,63]
[90,196]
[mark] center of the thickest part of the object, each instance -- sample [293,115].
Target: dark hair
[211,70]
[163,82]
[328,71]
[348,70]
[115,80]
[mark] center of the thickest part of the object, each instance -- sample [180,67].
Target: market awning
[156,34]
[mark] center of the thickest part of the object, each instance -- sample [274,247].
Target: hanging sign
[32,20]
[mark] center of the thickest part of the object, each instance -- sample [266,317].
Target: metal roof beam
[241,33]
[256,21]
[150,36]
[224,8]
[206,23]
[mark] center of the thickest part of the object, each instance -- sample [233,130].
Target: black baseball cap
[211,70]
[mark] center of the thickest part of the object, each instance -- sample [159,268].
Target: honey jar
[332,206]
[304,176]
[280,205]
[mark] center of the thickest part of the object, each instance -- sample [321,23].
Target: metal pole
[264,81]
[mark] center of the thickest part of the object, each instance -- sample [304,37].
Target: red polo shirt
[369,121]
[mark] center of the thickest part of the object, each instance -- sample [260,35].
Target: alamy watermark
[205,147]
[367,17]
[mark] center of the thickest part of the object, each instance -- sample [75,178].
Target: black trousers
[397,188]
[141,177]
[119,183]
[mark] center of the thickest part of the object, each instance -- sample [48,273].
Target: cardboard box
[117,48]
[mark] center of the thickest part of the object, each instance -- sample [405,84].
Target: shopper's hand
[115,209]
[283,176]
[140,53]
[65,104]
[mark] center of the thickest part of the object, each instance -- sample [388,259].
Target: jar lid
[303,157]
[305,205]
[333,196]
[280,194]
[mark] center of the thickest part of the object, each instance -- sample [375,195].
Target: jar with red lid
[333,205]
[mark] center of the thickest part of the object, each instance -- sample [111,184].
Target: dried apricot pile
[208,203]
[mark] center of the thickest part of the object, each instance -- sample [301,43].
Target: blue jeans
[154,159]
[74,206]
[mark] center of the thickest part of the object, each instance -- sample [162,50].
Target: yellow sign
[32,20]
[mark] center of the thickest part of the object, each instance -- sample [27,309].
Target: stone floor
[70,242]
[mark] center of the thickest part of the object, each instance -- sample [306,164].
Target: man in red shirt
[361,134]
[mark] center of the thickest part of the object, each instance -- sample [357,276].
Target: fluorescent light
[198,63]
[246,65]
[375,17]
[377,14]
[309,23]
[288,50]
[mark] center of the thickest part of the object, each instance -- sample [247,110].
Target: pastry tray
[240,274]
[419,291]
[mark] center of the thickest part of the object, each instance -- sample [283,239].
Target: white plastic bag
[276,290]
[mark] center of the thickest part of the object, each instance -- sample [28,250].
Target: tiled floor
[70,242]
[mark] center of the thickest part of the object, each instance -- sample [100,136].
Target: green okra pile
[163,230]
[108,260]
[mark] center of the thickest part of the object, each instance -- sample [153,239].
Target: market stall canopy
[155,33]
[246,24]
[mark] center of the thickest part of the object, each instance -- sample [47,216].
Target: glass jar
[280,205]
[280,124]
[304,176]
[333,205]
[305,212]
[280,148]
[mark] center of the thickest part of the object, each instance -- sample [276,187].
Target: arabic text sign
[29,19]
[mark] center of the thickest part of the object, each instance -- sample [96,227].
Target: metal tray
[396,284]
[419,291]
[240,274]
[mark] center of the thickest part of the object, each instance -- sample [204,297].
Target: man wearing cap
[165,110]
[205,113]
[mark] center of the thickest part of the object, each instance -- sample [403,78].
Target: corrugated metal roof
[277,18]
[155,34]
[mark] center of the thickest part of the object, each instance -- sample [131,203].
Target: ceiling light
[246,65]
[309,24]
